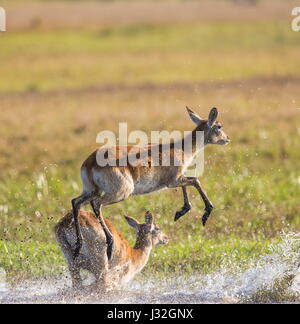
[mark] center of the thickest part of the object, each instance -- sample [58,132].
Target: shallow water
[229,284]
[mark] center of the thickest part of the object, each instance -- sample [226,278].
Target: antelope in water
[106,185]
[125,262]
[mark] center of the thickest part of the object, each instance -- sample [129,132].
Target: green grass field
[185,53]
[59,88]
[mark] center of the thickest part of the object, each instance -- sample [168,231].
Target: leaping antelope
[106,185]
[125,262]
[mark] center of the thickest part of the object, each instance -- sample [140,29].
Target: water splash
[231,283]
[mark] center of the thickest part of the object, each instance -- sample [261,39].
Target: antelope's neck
[194,141]
[141,252]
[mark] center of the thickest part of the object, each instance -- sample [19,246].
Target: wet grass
[34,259]
[278,292]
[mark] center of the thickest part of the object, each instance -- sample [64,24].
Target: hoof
[178,215]
[182,212]
[205,216]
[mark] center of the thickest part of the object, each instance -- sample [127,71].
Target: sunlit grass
[31,259]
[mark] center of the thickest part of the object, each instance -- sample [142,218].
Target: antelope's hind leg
[76,204]
[96,205]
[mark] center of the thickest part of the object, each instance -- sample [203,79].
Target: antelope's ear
[194,117]
[212,117]
[148,218]
[132,222]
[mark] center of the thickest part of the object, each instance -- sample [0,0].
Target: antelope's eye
[219,126]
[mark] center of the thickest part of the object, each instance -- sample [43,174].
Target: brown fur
[126,261]
[106,185]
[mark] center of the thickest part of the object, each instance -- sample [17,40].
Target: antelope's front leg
[191,181]
[186,206]
[208,204]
